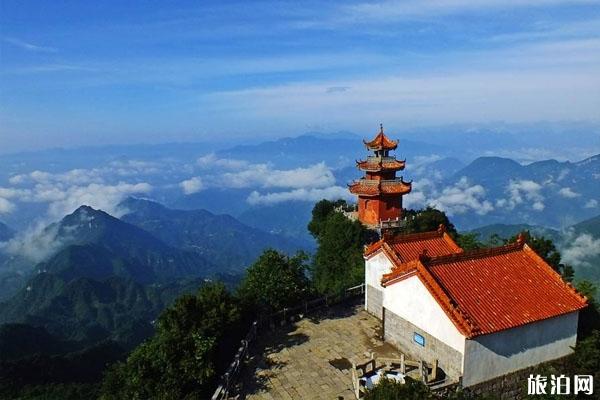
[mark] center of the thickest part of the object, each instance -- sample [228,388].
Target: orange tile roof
[408,247]
[490,290]
[371,187]
[381,142]
[381,165]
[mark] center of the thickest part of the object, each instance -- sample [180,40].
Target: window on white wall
[420,340]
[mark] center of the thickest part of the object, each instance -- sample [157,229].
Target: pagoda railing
[383,182]
[380,158]
[391,223]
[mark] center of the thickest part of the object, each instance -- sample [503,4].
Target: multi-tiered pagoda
[380,191]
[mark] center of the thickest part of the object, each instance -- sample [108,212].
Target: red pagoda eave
[384,165]
[381,142]
[365,187]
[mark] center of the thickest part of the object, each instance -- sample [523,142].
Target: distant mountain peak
[131,204]
[86,217]
[491,159]
[85,211]
[589,160]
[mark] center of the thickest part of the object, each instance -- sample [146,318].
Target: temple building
[479,314]
[380,191]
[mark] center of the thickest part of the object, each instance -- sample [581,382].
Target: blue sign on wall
[419,339]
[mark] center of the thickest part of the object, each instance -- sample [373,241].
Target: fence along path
[229,380]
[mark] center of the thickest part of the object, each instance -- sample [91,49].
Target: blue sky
[80,73]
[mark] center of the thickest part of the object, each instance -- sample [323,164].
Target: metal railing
[229,380]
[230,377]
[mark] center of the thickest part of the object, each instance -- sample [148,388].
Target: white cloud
[312,195]
[102,187]
[520,191]
[233,173]
[34,244]
[417,198]
[131,168]
[562,174]
[211,161]
[528,82]
[6,206]
[80,176]
[592,203]
[11,193]
[263,175]
[406,99]
[461,198]
[192,185]
[29,46]
[568,193]
[394,10]
[17,179]
[581,249]
[99,196]
[40,176]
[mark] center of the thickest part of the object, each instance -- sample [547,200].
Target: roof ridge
[472,254]
[411,237]
[391,239]
[552,272]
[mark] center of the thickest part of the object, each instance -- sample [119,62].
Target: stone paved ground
[311,359]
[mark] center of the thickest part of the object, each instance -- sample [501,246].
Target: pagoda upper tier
[377,164]
[381,142]
[370,187]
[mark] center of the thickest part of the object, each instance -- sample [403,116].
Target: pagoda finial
[380,128]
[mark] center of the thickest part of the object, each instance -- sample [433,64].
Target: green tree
[338,262]
[427,220]
[468,241]
[589,317]
[587,354]
[430,219]
[320,212]
[274,281]
[388,389]
[194,340]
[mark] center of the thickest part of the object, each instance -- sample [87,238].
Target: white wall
[410,299]
[496,354]
[375,267]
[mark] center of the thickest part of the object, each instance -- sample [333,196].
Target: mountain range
[223,240]
[132,251]
[338,151]
[545,193]
[107,278]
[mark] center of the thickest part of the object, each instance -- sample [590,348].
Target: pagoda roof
[490,290]
[372,187]
[381,142]
[376,164]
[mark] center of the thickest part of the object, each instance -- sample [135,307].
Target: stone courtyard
[312,358]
